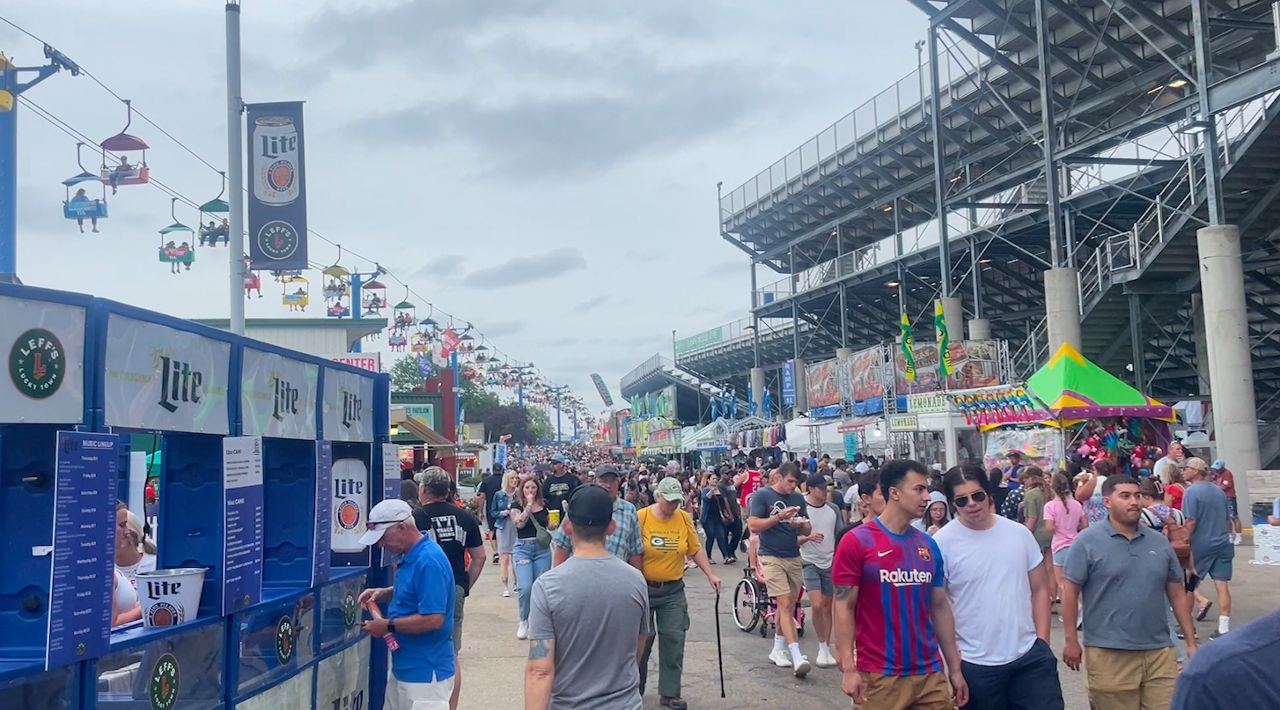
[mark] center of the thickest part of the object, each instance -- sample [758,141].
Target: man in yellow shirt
[669,537]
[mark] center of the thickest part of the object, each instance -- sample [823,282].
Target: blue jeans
[530,560]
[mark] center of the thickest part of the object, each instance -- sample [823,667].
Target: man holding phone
[777,516]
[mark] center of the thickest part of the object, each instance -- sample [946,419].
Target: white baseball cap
[383,516]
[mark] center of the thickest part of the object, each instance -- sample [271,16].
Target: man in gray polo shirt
[1124,570]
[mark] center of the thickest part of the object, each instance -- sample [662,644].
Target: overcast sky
[546,169]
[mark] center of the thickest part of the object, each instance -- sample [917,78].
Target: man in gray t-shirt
[777,517]
[1127,574]
[1204,505]
[587,618]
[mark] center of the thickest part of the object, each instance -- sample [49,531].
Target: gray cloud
[528,269]
[591,304]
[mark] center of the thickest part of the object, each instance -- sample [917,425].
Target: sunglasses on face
[376,524]
[976,496]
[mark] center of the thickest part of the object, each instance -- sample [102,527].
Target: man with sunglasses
[889,600]
[995,563]
[420,613]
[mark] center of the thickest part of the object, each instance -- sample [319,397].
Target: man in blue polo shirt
[420,614]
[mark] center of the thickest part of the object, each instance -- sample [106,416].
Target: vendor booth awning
[1072,387]
[805,434]
[411,431]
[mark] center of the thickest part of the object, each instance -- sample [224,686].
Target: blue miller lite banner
[277,231]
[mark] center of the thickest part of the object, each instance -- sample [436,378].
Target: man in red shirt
[891,608]
[748,481]
[1227,482]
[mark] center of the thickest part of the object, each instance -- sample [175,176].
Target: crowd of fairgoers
[900,564]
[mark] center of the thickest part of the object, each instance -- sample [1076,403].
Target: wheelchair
[753,607]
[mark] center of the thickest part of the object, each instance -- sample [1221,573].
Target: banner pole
[235,172]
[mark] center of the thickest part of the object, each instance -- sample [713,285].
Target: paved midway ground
[493,659]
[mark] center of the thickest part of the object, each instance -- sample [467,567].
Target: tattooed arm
[539,674]
[846,600]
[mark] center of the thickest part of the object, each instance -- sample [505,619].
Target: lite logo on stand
[285,399]
[179,383]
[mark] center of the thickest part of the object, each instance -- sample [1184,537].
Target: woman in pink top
[1064,517]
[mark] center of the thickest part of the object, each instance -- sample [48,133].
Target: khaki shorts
[782,576]
[907,692]
[1125,680]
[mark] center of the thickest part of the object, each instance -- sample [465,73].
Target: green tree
[539,424]
[477,402]
[405,376]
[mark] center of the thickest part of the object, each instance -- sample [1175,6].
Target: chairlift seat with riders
[80,206]
[177,251]
[218,229]
[296,293]
[125,173]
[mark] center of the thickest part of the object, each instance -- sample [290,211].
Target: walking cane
[719,649]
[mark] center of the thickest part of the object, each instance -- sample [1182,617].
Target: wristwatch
[391,626]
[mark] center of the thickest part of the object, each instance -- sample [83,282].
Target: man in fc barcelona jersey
[891,608]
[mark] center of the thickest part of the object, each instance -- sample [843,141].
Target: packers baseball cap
[383,516]
[590,505]
[669,489]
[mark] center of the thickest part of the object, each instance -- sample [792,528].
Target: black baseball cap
[608,470]
[816,479]
[590,505]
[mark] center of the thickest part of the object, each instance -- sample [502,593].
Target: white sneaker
[801,667]
[780,658]
[825,659]
[522,631]
[506,592]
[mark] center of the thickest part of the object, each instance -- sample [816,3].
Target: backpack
[1012,506]
[1180,538]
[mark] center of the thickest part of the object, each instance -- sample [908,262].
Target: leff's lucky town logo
[350,612]
[278,240]
[284,640]
[164,685]
[37,363]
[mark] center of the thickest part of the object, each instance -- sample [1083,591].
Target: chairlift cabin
[397,343]
[375,297]
[404,315]
[121,144]
[81,206]
[217,228]
[176,249]
[296,293]
[336,288]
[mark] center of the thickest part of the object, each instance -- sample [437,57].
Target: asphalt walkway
[493,659]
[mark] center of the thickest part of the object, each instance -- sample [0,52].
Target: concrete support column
[1202,345]
[979,329]
[757,389]
[802,391]
[1230,361]
[1062,306]
[953,315]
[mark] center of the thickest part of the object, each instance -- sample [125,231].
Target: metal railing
[886,115]
[1134,248]
[1033,352]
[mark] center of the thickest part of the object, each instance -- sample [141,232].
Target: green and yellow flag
[945,366]
[907,356]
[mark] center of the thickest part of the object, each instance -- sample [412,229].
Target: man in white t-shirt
[1164,467]
[1000,594]
[816,551]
